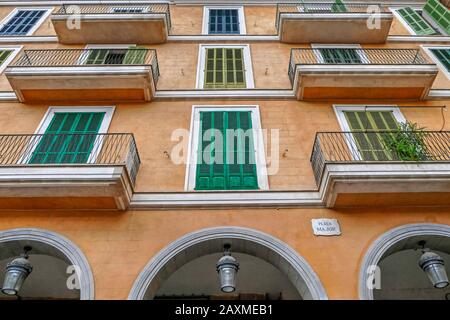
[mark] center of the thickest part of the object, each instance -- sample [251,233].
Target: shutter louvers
[69,138]
[439,13]
[234,165]
[415,21]
[135,55]
[370,144]
[97,56]
[338,6]
[224,68]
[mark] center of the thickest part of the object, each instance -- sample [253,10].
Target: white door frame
[258,141]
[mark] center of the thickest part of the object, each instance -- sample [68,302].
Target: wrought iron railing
[368,56]
[144,8]
[89,57]
[378,146]
[70,149]
[328,7]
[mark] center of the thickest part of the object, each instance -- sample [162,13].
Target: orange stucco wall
[153,124]
[119,245]
[179,71]
[186,20]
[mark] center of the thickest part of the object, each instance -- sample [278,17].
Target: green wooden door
[444,57]
[439,13]
[364,126]
[230,155]
[340,55]
[338,6]
[415,21]
[135,55]
[69,138]
[224,68]
[4,54]
[97,56]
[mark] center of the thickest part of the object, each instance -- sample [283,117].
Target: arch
[62,248]
[385,245]
[243,240]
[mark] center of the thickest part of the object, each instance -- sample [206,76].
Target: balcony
[360,73]
[139,24]
[84,75]
[67,171]
[332,22]
[367,169]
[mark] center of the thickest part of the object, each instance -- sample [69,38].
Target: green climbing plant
[407,143]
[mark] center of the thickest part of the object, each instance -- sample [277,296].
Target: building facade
[137,139]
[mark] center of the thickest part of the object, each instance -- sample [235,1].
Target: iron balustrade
[300,56]
[328,7]
[375,147]
[89,57]
[82,149]
[144,8]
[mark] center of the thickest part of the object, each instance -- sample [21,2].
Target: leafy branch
[407,142]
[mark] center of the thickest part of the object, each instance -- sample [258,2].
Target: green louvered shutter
[370,145]
[203,175]
[4,54]
[415,21]
[97,56]
[338,6]
[135,55]
[69,138]
[444,57]
[340,55]
[233,165]
[224,68]
[439,13]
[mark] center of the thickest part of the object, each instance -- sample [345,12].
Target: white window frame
[46,120]
[320,59]
[435,59]
[250,84]
[38,23]
[345,127]
[15,51]
[83,57]
[193,144]
[241,15]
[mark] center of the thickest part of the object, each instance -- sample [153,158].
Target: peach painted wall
[178,63]
[186,20]
[153,124]
[260,20]
[119,245]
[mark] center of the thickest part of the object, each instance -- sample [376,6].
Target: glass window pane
[22,22]
[223,21]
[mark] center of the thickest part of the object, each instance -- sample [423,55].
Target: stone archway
[51,243]
[243,240]
[393,241]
